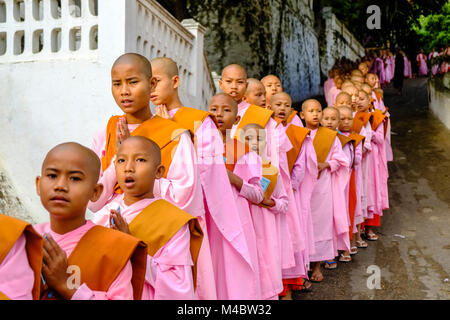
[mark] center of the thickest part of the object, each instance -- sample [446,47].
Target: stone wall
[439,97]
[336,42]
[266,36]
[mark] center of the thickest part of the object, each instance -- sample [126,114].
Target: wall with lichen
[10,203]
[264,36]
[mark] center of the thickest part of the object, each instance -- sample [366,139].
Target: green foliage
[434,29]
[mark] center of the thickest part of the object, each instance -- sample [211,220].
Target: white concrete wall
[51,97]
[339,42]
[440,100]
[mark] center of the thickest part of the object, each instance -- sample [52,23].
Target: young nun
[244,173]
[110,264]
[302,164]
[230,256]
[173,236]
[265,208]
[132,86]
[328,208]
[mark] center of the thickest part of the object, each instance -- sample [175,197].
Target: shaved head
[344,108]
[331,109]
[234,68]
[137,60]
[252,84]
[145,145]
[279,95]
[91,161]
[308,102]
[270,77]
[229,99]
[167,65]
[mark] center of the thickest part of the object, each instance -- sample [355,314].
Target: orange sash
[10,231]
[360,120]
[3,297]
[101,254]
[234,149]
[164,132]
[254,114]
[377,119]
[296,135]
[270,173]
[190,118]
[343,139]
[159,222]
[323,141]
[357,138]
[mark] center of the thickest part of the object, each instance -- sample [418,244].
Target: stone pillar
[196,85]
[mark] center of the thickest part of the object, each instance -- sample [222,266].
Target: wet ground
[413,252]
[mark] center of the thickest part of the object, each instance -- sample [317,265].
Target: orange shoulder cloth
[377,119]
[10,231]
[296,135]
[234,149]
[101,254]
[343,139]
[360,120]
[159,222]
[162,131]
[190,118]
[357,138]
[323,141]
[254,114]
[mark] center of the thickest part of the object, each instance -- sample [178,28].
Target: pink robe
[268,240]
[327,86]
[435,67]
[366,198]
[380,106]
[249,169]
[181,187]
[422,60]
[229,251]
[379,176]
[334,91]
[328,211]
[16,275]
[169,272]
[359,217]
[379,70]
[303,179]
[120,289]
[296,121]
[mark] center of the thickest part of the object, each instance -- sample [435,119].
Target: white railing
[48,29]
[336,47]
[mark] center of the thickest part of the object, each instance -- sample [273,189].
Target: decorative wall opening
[38,41]
[55,6]
[56,40]
[19,42]
[2,12]
[75,8]
[38,10]
[19,10]
[2,43]
[93,38]
[75,39]
[93,7]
